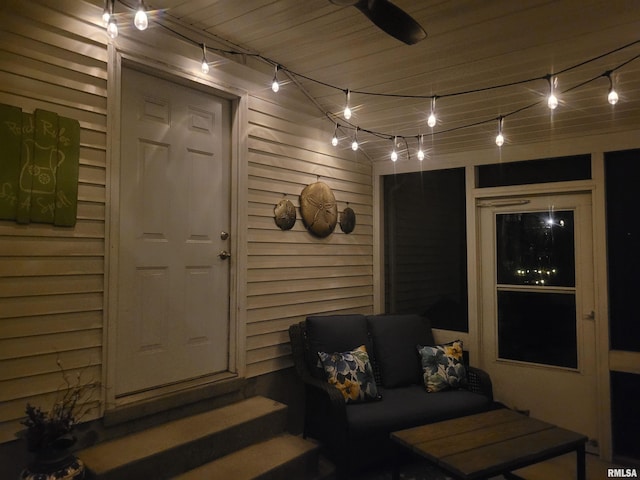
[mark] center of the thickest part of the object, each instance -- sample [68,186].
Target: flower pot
[54,464]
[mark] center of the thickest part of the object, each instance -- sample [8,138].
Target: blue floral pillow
[351,373]
[442,366]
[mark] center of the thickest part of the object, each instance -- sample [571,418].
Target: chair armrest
[480,382]
[314,386]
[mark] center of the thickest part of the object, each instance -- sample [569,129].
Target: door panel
[173,305]
[537,328]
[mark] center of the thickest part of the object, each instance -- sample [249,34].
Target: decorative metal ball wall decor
[348,220]
[318,209]
[285,214]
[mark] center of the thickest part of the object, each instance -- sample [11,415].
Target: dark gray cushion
[338,333]
[395,338]
[406,407]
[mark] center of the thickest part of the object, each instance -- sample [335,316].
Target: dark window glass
[623,245]
[547,170]
[535,248]
[425,246]
[625,392]
[537,328]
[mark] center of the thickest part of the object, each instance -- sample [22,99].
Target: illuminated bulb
[106,15]
[334,141]
[354,145]
[420,151]
[500,137]
[347,110]
[112,27]
[431,121]
[612,98]
[394,154]
[552,100]
[205,65]
[141,21]
[275,86]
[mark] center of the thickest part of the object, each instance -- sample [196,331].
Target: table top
[489,443]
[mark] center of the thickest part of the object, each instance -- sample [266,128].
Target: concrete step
[285,457]
[181,445]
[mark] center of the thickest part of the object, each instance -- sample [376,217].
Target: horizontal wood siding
[292,274]
[53,56]
[52,278]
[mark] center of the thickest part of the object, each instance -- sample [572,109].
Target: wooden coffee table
[491,443]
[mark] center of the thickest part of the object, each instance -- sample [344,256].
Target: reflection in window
[535,249]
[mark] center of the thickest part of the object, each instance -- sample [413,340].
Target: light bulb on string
[394,154]
[552,100]
[205,64]
[500,137]
[112,27]
[354,144]
[275,85]
[431,121]
[141,21]
[334,140]
[347,110]
[106,13]
[612,97]
[420,151]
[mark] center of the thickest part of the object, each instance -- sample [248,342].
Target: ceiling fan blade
[393,20]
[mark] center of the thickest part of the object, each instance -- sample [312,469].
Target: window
[425,246]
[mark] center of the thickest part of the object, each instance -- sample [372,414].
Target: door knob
[224,255]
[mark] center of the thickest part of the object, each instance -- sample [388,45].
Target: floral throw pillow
[442,366]
[351,373]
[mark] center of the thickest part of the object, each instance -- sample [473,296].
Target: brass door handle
[224,255]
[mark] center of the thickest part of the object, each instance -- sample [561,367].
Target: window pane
[425,246]
[537,328]
[535,249]
[545,170]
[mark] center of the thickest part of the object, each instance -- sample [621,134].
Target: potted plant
[49,434]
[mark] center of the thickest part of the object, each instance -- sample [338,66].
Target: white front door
[537,303]
[173,286]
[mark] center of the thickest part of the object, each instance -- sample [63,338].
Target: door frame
[600,305]
[117,60]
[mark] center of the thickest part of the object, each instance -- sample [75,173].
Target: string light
[112,27]
[552,100]
[106,13]
[420,151]
[394,154]
[205,64]
[500,137]
[347,110]
[275,86]
[431,121]
[612,97]
[141,21]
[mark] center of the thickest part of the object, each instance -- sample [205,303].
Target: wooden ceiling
[471,45]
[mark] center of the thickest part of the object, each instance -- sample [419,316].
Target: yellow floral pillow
[351,373]
[442,366]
